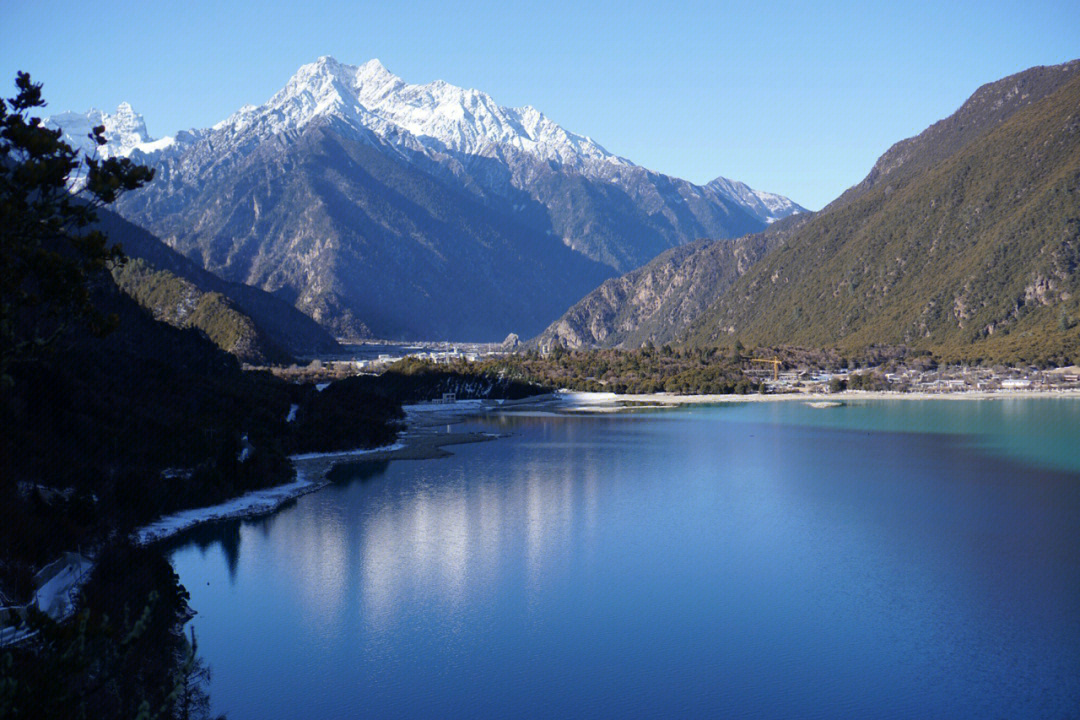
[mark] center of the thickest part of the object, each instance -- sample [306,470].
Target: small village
[774,375]
[952,379]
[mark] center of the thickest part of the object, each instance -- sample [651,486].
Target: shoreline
[576,401]
[424,438]
[255,503]
[421,440]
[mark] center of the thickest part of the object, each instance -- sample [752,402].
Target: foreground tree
[50,254]
[122,656]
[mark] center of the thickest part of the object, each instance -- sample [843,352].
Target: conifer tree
[50,253]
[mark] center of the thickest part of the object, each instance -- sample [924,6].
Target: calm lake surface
[883,559]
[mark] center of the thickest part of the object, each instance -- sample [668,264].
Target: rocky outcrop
[656,303]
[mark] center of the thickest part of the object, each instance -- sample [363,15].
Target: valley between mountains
[377,208]
[963,241]
[746,458]
[385,209]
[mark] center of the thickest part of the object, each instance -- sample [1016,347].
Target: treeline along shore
[714,370]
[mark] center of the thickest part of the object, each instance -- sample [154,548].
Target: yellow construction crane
[775,362]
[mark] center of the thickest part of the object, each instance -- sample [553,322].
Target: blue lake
[770,560]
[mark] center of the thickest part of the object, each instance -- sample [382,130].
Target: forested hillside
[975,257]
[962,240]
[248,322]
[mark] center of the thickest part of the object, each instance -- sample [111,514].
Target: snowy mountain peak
[437,124]
[125,131]
[438,116]
[766,206]
[374,69]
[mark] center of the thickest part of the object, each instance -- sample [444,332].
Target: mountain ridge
[990,105]
[366,260]
[737,304]
[433,115]
[244,321]
[998,221]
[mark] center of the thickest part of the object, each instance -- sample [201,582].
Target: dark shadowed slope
[245,321]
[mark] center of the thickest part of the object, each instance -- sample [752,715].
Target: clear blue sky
[787,97]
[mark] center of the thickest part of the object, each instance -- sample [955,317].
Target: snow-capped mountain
[438,116]
[125,131]
[442,118]
[768,207]
[406,210]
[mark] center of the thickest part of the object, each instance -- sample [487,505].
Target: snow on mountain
[438,121]
[432,120]
[768,207]
[125,131]
[442,118]
[350,185]
[436,116]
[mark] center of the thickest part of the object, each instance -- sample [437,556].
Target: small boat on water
[826,404]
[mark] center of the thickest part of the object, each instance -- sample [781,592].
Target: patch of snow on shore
[346,453]
[456,406]
[257,502]
[55,597]
[253,504]
[579,399]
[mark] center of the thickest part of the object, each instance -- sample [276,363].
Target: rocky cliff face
[657,302]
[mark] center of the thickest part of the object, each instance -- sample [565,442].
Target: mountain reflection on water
[762,560]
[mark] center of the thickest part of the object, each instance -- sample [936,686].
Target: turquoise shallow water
[883,559]
[1043,431]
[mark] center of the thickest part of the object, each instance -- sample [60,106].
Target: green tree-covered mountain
[250,323]
[974,255]
[962,239]
[179,302]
